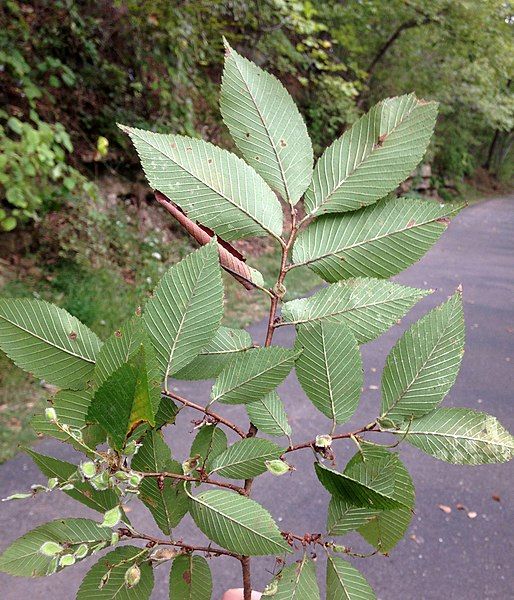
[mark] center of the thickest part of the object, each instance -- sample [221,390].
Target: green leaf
[329,368]
[71,408]
[266,126]
[367,306]
[186,309]
[190,578]
[252,375]
[297,582]
[460,436]
[377,241]
[386,528]
[116,564]
[24,558]
[82,491]
[211,185]
[343,516]
[345,582]
[370,487]
[166,413]
[48,342]
[370,159]
[169,504]
[127,398]
[119,348]
[424,363]
[237,523]
[226,345]
[209,443]
[268,414]
[246,458]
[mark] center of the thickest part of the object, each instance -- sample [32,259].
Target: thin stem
[179,544]
[207,411]
[337,436]
[247,579]
[207,480]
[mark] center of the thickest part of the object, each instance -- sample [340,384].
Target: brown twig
[278,293]
[229,486]
[135,535]
[337,436]
[207,411]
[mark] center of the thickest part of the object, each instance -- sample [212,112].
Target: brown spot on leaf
[443,220]
[138,311]
[381,139]
[283,143]
[72,335]
[186,576]
[411,223]
[247,134]
[118,333]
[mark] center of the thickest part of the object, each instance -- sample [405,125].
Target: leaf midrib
[371,153]
[420,369]
[261,117]
[374,239]
[48,342]
[243,383]
[352,309]
[232,520]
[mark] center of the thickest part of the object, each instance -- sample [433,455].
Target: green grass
[103,298]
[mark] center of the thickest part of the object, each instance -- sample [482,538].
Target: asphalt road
[443,555]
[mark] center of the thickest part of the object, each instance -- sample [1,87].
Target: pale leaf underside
[367,306]
[211,185]
[252,375]
[345,582]
[329,368]
[377,241]
[461,436]
[424,363]
[268,414]
[185,311]
[297,582]
[47,341]
[236,523]
[117,563]
[266,126]
[376,154]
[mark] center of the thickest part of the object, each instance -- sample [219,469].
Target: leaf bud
[112,517]
[277,467]
[81,551]
[51,549]
[67,560]
[132,576]
[18,496]
[135,479]
[52,483]
[88,469]
[51,415]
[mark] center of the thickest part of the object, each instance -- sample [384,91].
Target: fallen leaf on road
[460,506]
[445,509]
[373,387]
[472,514]
[496,498]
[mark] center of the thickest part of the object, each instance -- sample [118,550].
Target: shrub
[354,234]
